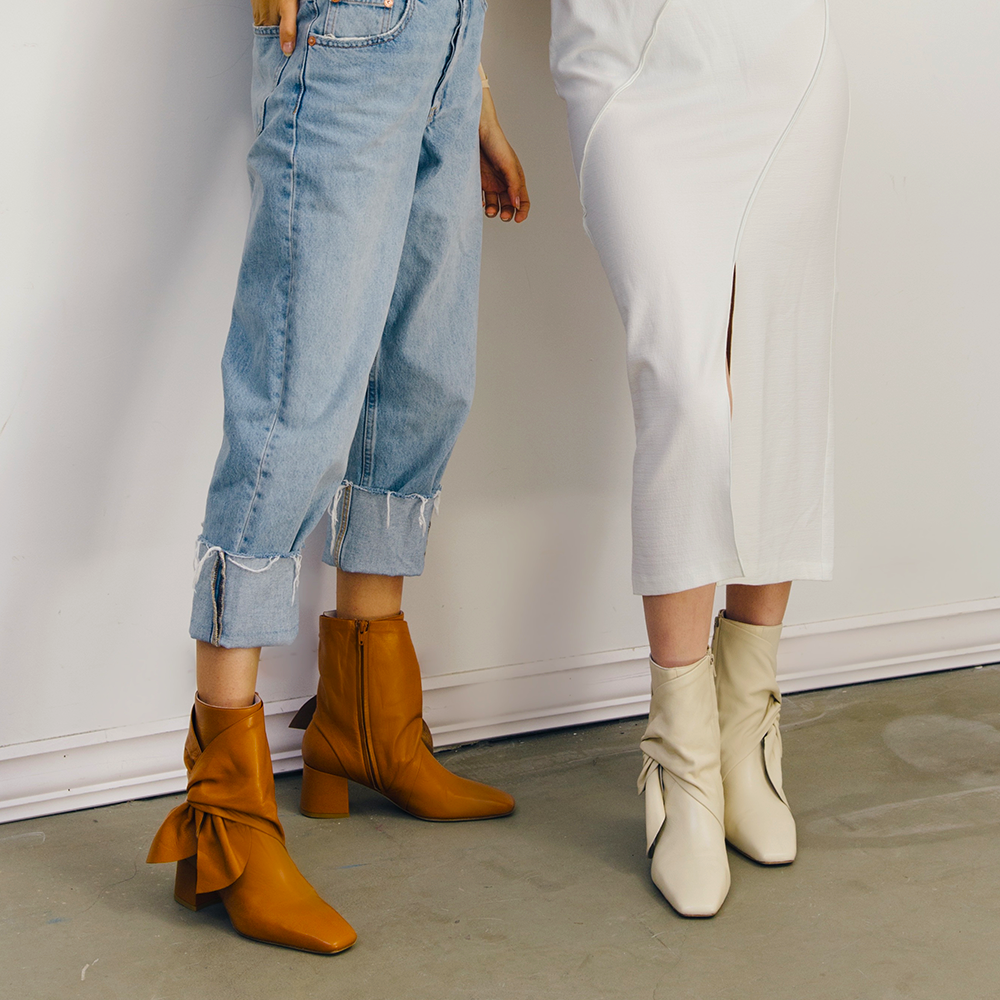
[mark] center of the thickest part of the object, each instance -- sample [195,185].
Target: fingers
[498,203]
[288,11]
[510,204]
[517,190]
[514,200]
[505,194]
[522,204]
[506,208]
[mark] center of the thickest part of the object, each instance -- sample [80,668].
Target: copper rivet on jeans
[312,39]
[388,3]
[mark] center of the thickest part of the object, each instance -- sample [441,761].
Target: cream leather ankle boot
[758,821]
[683,789]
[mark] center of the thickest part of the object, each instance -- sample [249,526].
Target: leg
[678,625]
[332,175]
[367,725]
[227,678]
[368,595]
[761,605]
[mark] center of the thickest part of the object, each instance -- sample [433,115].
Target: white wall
[122,205]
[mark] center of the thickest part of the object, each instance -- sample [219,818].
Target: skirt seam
[618,91]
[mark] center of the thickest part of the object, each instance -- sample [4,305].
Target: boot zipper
[366,749]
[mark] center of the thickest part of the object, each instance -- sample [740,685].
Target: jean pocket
[353,23]
[269,63]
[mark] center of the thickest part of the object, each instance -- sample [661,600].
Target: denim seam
[218,597]
[288,302]
[370,428]
[342,519]
[450,61]
[217,585]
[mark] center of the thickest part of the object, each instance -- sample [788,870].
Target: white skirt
[708,138]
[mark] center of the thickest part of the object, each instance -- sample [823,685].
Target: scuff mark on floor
[965,810]
[37,836]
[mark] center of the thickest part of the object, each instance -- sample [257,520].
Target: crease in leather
[382,726]
[304,715]
[679,695]
[230,794]
[656,810]
[749,711]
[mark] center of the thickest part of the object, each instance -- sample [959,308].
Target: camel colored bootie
[366,725]
[228,843]
[683,789]
[758,821]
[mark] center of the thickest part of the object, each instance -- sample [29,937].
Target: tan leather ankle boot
[366,724]
[228,843]
[758,821]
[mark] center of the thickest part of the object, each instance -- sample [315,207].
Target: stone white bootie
[682,784]
[758,821]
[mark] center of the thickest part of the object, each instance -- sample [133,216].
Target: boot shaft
[369,700]
[746,658]
[747,686]
[682,735]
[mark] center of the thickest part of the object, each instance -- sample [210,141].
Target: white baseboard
[130,762]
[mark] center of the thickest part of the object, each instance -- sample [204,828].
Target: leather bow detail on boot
[682,786]
[367,726]
[229,845]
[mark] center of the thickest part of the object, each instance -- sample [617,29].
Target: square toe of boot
[321,934]
[693,886]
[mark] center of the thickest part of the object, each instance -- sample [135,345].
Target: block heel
[324,796]
[185,892]
[366,724]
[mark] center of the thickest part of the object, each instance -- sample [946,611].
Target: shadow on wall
[131,159]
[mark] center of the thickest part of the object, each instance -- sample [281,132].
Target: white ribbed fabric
[708,136]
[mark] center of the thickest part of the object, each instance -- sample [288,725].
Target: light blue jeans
[350,362]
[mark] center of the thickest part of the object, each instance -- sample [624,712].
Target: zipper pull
[362,627]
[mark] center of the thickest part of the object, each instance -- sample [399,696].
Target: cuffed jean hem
[378,531]
[241,602]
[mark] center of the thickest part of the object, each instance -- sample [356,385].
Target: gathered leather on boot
[758,820]
[366,725]
[229,845]
[682,785]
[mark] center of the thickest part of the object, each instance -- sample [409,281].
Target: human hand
[504,190]
[280,12]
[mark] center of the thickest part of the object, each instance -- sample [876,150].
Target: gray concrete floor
[896,787]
